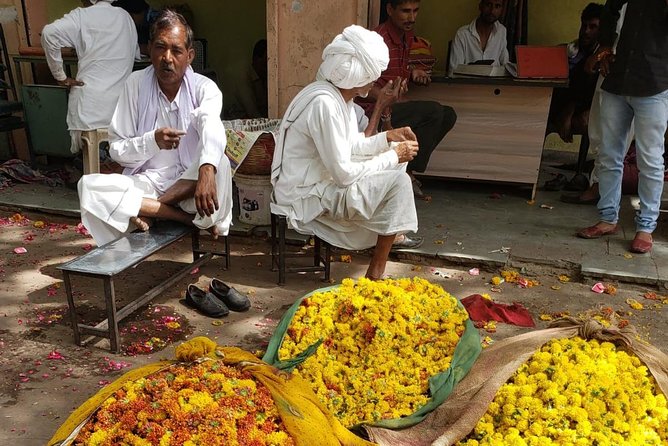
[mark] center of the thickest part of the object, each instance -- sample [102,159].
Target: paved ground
[43,376]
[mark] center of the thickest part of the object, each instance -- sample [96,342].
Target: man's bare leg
[165,207]
[152,208]
[379,259]
[179,191]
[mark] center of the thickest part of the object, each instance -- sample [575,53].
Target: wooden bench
[107,261]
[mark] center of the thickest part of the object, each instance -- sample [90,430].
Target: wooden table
[500,127]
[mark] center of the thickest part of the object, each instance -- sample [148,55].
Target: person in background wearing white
[482,39]
[105,40]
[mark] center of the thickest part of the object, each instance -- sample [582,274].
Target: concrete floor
[474,223]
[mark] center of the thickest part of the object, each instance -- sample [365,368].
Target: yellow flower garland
[382,340]
[576,392]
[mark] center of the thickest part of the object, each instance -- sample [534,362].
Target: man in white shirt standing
[329,178]
[167,134]
[482,39]
[105,40]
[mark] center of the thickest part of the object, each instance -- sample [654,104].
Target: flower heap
[382,340]
[196,404]
[576,392]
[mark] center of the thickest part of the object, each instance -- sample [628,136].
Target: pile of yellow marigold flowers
[195,404]
[382,341]
[576,392]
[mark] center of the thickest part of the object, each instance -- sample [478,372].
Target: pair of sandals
[218,301]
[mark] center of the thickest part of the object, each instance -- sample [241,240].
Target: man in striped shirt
[429,120]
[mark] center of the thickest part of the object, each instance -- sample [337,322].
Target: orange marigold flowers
[195,404]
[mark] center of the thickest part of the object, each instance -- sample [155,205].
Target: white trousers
[108,201]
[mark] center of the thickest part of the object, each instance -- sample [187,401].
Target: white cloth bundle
[355,58]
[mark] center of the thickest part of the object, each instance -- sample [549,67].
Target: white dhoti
[108,201]
[353,217]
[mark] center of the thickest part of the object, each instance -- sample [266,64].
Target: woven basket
[258,160]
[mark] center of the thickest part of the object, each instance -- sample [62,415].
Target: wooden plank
[499,131]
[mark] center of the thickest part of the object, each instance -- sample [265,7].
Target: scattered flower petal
[598,288]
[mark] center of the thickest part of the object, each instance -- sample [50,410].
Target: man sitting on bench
[167,134]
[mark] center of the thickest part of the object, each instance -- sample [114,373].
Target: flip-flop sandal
[408,243]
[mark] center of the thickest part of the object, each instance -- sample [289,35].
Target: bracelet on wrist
[385,118]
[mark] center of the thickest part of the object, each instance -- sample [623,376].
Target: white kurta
[331,181]
[109,201]
[466,46]
[105,40]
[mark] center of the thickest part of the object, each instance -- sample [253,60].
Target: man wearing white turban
[329,179]
[105,40]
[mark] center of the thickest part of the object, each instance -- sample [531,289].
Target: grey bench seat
[107,261]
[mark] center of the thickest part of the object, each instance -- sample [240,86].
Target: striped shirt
[398,42]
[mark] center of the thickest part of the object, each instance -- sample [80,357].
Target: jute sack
[457,416]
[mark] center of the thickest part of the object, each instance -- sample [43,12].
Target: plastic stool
[279,224]
[91,140]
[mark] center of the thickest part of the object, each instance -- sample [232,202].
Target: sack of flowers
[383,352]
[584,382]
[209,396]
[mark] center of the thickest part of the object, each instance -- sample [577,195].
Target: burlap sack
[460,412]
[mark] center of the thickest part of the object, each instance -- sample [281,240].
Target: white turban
[355,58]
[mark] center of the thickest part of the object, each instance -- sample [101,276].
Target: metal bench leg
[317,255]
[112,324]
[228,254]
[195,244]
[274,243]
[282,223]
[74,320]
[328,257]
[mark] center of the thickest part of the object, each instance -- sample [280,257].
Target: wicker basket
[258,160]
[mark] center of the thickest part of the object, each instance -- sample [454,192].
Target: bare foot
[213,230]
[374,273]
[142,223]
